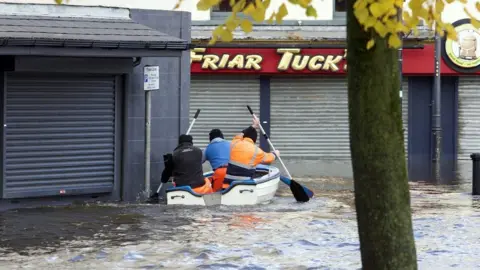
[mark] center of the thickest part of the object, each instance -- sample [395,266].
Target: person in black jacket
[185,165]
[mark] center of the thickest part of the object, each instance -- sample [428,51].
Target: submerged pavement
[321,234]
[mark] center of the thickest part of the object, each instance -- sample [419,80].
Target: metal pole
[148,118]
[400,67]
[436,113]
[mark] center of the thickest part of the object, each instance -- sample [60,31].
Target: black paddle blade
[298,192]
[153,198]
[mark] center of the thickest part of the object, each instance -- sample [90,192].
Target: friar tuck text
[289,59]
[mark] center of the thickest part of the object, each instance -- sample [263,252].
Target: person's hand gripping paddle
[300,192]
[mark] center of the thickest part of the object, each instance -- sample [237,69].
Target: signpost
[151,82]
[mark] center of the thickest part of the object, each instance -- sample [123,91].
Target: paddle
[301,193]
[165,157]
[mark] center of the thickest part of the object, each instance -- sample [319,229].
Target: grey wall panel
[60,134]
[223,101]
[169,105]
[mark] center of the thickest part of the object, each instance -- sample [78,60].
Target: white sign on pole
[151,78]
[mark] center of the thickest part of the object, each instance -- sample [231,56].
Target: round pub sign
[463,55]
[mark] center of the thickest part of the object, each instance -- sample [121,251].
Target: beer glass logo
[468,46]
[465,51]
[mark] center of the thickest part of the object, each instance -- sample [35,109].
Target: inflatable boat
[261,189]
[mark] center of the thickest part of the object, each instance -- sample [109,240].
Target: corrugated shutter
[223,101]
[60,135]
[309,117]
[468,116]
[405,113]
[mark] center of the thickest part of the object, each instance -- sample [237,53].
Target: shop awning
[32,34]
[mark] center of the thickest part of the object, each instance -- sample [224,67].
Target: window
[340,10]
[340,6]
[224,6]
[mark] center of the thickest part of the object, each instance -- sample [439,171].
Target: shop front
[71,123]
[303,102]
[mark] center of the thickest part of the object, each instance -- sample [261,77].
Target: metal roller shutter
[468,116]
[405,114]
[309,117]
[60,135]
[223,102]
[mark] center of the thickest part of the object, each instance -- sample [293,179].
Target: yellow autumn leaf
[311,12]
[259,4]
[473,19]
[202,5]
[360,4]
[217,31]
[282,12]
[362,15]
[439,6]
[451,34]
[249,9]
[266,3]
[378,9]
[370,43]
[246,26]
[370,21]
[394,41]
[304,3]
[258,15]
[477,5]
[380,29]
[295,2]
[212,41]
[226,36]
[231,24]
[239,6]
[415,5]
[272,17]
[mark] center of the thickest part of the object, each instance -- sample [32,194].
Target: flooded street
[321,234]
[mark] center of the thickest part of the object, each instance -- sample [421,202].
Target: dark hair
[185,138]
[215,133]
[251,133]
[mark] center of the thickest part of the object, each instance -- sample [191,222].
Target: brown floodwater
[283,234]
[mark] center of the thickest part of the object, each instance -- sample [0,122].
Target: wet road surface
[321,234]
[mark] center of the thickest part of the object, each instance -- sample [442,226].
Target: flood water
[321,234]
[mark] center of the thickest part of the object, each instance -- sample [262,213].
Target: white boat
[261,189]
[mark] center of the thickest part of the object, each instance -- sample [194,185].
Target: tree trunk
[382,196]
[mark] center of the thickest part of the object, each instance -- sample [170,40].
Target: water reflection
[321,234]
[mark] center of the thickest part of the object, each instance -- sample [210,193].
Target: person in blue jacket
[217,153]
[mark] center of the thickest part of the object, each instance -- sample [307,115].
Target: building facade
[73,99]
[293,75]
[296,71]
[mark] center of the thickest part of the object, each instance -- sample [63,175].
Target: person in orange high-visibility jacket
[245,156]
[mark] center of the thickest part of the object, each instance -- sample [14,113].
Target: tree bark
[382,196]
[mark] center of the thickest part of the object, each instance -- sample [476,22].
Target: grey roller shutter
[223,101]
[309,117]
[60,135]
[405,113]
[468,116]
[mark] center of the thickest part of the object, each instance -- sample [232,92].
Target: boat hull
[258,190]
